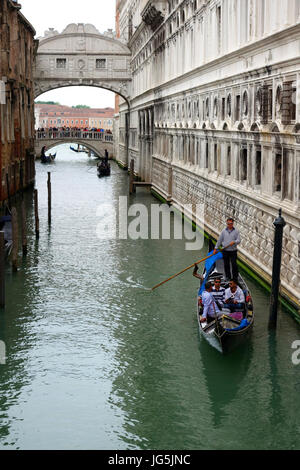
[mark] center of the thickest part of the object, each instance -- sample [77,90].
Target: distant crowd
[75,129]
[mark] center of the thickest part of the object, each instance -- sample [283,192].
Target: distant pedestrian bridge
[95,141]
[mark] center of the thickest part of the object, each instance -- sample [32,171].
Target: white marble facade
[215,115]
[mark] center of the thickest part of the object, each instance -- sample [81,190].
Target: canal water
[95,360]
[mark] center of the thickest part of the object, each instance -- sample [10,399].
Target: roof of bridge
[81,38]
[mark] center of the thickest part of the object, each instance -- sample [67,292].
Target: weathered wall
[17,48]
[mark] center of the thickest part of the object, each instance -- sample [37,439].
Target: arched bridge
[93,140]
[81,55]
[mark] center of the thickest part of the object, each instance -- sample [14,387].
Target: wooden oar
[186,269]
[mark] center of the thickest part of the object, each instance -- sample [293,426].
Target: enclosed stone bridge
[97,142]
[82,56]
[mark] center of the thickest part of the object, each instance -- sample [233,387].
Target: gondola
[48,158]
[6,227]
[103,169]
[78,150]
[229,329]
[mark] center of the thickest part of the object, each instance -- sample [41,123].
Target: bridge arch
[82,56]
[96,145]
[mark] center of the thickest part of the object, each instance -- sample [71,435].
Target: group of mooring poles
[15,234]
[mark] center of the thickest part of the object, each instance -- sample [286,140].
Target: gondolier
[229,238]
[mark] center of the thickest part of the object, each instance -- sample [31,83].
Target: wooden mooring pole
[36,213]
[49,197]
[279,224]
[131,177]
[15,238]
[2,270]
[24,228]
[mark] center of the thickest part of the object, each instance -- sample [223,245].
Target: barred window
[61,63]
[100,63]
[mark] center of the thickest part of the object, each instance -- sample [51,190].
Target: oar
[186,269]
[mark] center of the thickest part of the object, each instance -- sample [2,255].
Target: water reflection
[224,376]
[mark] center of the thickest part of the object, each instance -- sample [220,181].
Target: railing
[74,134]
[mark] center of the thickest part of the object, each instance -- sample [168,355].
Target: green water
[96,361]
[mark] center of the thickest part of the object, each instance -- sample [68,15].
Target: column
[297,99]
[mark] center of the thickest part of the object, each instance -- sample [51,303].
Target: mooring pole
[15,237]
[36,213]
[131,177]
[2,270]
[8,192]
[49,197]
[279,225]
[24,228]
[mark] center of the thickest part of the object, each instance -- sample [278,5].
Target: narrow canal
[96,361]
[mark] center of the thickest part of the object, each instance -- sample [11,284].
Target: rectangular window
[219,29]
[237,107]
[293,103]
[229,160]
[270,103]
[277,172]
[100,63]
[206,155]
[216,157]
[61,63]
[244,158]
[223,109]
[258,168]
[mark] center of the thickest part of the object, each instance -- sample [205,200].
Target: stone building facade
[52,115]
[215,116]
[17,49]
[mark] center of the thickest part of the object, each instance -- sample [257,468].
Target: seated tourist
[218,292]
[234,297]
[210,308]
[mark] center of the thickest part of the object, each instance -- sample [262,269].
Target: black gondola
[48,158]
[103,169]
[79,149]
[227,331]
[6,227]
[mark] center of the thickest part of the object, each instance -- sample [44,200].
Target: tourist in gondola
[210,308]
[229,238]
[234,297]
[218,292]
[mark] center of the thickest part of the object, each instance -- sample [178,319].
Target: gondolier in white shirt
[229,238]
[210,308]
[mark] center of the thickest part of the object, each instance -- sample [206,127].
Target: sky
[57,14]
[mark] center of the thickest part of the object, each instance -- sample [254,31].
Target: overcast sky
[57,14]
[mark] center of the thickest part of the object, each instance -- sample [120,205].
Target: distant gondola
[103,169]
[6,227]
[79,149]
[48,158]
[227,331]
